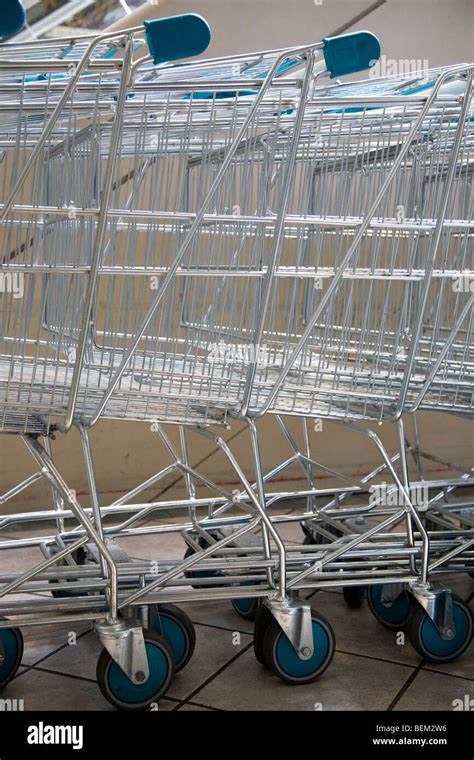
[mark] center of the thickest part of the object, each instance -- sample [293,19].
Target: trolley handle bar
[176,37]
[350,53]
[188,35]
[12,18]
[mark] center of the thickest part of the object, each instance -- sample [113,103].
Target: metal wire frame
[67,338]
[228,562]
[351,369]
[283,147]
[340,551]
[51,119]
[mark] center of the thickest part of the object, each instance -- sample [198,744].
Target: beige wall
[127,453]
[440,31]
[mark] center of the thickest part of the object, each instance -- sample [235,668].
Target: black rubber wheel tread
[354,596]
[263,618]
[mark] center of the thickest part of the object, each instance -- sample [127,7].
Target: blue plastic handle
[349,53]
[12,17]
[177,37]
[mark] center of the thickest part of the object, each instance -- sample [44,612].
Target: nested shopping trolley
[144,209]
[435,347]
[386,251]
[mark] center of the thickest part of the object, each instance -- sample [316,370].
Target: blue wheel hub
[129,693]
[395,613]
[9,648]
[244,605]
[439,647]
[292,665]
[13,17]
[175,636]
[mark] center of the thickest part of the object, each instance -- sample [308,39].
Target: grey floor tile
[434,691]
[291,532]
[462,584]
[214,648]
[154,546]
[31,529]
[16,561]
[217,614]
[463,667]
[78,659]
[48,691]
[194,708]
[350,683]
[358,632]
[166,705]
[63,692]
[41,641]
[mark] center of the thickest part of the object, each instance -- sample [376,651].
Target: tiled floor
[370,670]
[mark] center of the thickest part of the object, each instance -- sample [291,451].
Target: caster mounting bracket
[124,642]
[438,605]
[294,618]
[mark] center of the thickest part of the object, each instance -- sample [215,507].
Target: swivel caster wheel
[177,629]
[117,688]
[280,656]
[393,616]
[426,639]
[11,652]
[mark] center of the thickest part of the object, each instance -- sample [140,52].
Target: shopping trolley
[445,347]
[352,361]
[135,190]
